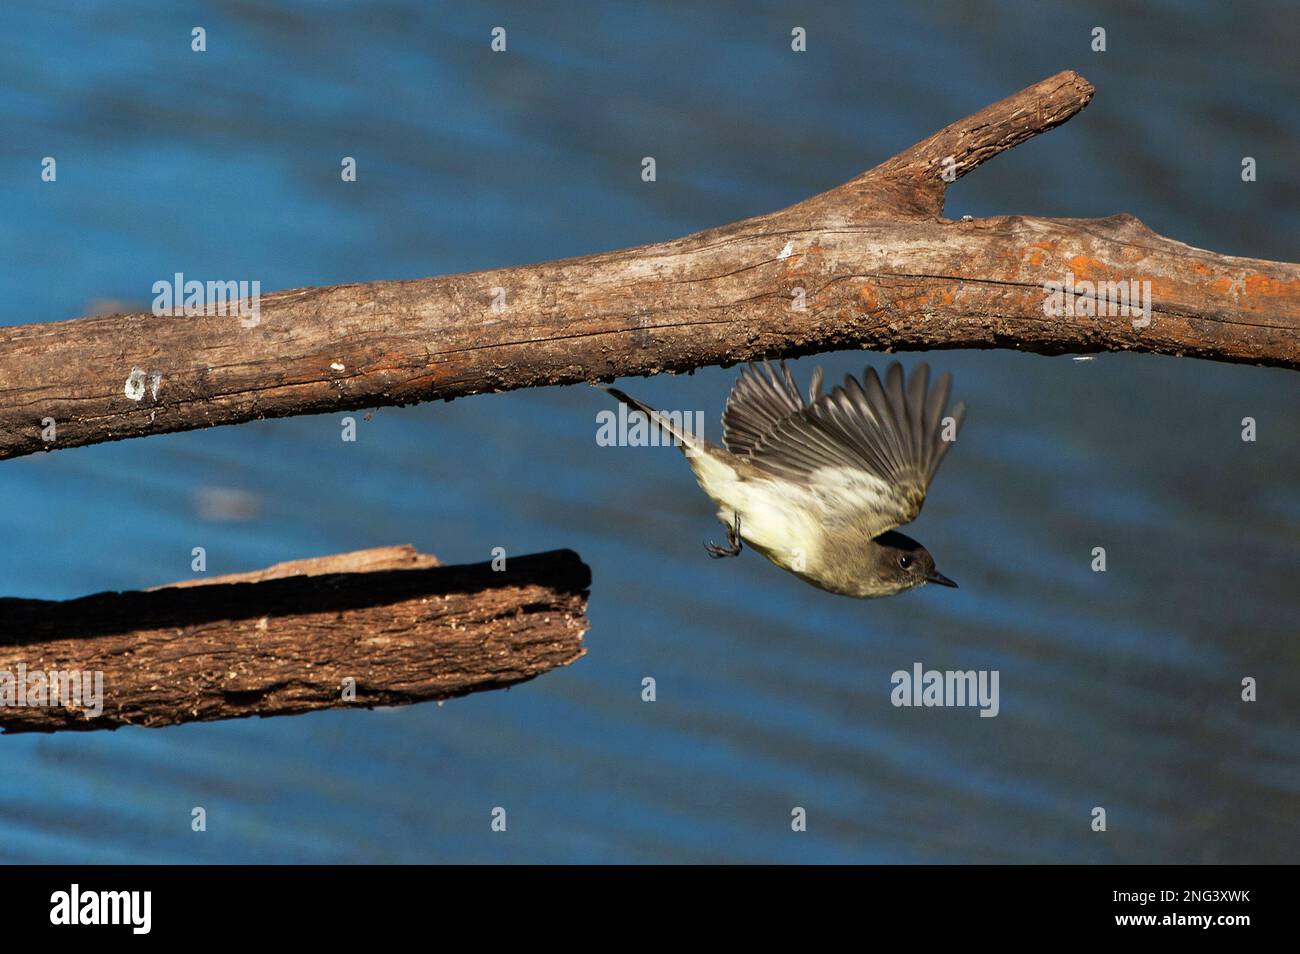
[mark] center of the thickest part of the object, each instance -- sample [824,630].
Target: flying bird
[818,485]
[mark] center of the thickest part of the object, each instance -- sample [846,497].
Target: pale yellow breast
[777,519]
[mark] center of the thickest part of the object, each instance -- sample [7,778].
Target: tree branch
[872,260]
[283,640]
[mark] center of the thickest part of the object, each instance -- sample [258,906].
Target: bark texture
[283,640]
[872,261]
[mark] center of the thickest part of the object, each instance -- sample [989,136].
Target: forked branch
[869,264]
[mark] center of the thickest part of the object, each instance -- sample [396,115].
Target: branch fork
[873,261]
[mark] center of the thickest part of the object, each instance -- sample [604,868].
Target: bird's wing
[759,400]
[867,450]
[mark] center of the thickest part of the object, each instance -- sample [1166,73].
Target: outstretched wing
[759,401]
[867,451]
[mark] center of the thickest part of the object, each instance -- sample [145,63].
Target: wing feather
[758,402]
[867,449]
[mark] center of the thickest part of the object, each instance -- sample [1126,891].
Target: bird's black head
[903,563]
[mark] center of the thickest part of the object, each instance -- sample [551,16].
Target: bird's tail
[689,443]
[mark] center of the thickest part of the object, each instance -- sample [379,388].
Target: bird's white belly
[778,519]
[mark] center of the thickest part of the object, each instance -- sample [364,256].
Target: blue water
[1119,690]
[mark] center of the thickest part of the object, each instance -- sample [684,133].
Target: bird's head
[903,563]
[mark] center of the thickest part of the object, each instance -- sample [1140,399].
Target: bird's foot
[733,546]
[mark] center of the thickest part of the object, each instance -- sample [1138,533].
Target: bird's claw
[733,546]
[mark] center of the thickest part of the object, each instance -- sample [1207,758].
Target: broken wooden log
[373,628]
[869,264]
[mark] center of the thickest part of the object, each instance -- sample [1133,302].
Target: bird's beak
[934,576]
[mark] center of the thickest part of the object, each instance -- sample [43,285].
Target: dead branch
[873,262]
[284,640]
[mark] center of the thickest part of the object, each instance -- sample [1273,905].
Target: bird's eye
[905,561]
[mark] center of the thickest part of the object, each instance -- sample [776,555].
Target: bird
[818,485]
